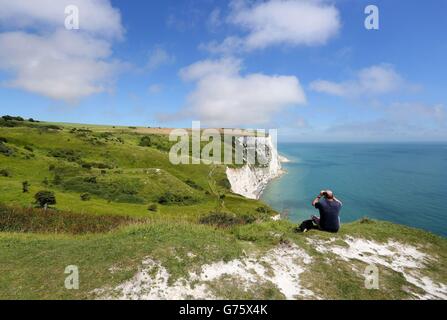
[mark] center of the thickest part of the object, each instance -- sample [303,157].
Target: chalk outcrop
[251,180]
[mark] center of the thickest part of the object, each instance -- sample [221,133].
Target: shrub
[67,154]
[91,179]
[50,221]
[29,148]
[224,219]
[153,207]
[99,165]
[86,165]
[193,185]
[171,198]
[225,183]
[145,141]
[45,198]
[366,220]
[5,173]
[57,179]
[10,118]
[5,150]
[118,190]
[25,186]
[263,210]
[49,127]
[86,197]
[159,142]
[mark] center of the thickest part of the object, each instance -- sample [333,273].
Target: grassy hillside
[119,201]
[122,171]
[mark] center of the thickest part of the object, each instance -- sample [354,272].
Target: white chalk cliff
[251,180]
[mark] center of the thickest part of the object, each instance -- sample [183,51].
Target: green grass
[140,175]
[51,221]
[114,227]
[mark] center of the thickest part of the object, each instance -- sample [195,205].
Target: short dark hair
[329,195]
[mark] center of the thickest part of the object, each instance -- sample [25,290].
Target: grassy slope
[32,265]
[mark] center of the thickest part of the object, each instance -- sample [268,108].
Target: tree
[45,198]
[25,186]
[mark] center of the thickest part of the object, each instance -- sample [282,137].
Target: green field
[119,200]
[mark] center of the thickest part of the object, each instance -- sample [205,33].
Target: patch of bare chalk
[281,266]
[397,256]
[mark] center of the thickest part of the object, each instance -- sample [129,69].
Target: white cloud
[276,22]
[214,19]
[96,16]
[159,57]
[43,58]
[64,65]
[207,68]
[418,114]
[224,97]
[155,88]
[375,80]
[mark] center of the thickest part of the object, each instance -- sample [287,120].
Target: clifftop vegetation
[121,208]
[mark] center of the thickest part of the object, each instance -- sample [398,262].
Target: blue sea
[401,183]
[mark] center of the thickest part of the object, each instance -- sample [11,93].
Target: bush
[124,190]
[171,198]
[45,198]
[91,179]
[29,148]
[145,141]
[366,220]
[99,165]
[25,186]
[193,185]
[5,150]
[224,220]
[225,183]
[86,197]
[153,207]
[86,165]
[5,173]
[67,154]
[50,221]
[49,127]
[159,142]
[263,210]
[57,179]
[10,118]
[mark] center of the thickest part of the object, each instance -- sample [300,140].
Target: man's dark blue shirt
[329,215]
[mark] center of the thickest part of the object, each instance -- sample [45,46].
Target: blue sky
[307,67]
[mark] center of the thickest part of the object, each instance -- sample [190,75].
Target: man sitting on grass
[329,208]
